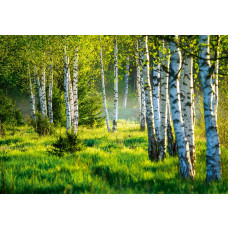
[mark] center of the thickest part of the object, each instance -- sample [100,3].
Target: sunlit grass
[109,163]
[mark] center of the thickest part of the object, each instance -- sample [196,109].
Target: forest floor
[109,163]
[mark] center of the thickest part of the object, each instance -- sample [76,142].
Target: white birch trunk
[66,93]
[156,97]
[50,111]
[183,145]
[126,84]
[115,113]
[162,143]
[188,107]
[43,88]
[213,158]
[71,99]
[103,88]
[75,92]
[140,90]
[40,92]
[144,59]
[31,97]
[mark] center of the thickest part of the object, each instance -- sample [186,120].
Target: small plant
[68,144]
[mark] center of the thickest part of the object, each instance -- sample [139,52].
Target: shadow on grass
[9,141]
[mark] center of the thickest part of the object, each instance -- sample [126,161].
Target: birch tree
[103,88]
[183,145]
[126,83]
[66,93]
[75,93]
[140,89]
[188,106]
[213,157]
[43,88]
[144,60]
[115,113]
[156,95]
[50,111]
[31,97]
[40,92]
[162,141]
[70,89]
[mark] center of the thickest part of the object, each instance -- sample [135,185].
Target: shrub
[68,144]
[91,110]
[3,129]
[8,113]
[42,125]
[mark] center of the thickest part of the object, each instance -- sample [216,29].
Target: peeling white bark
[103,88]
[183,145]
[213,158]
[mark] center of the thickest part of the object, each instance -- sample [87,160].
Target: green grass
[110,163]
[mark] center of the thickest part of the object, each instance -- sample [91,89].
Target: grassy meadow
[108,163]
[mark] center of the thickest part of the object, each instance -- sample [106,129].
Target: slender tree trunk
[43,88]
[213,158]
[71,99]
[31,97]
[188,107]
[50,92]
[103,89]
[66,93]
[115,113]
[141,91]
[183,145]
[163,103]
[156,96]
[144,60]
[75,92]
[126,84]
[40,92]
[216,78]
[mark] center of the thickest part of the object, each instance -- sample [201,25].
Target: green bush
[91,110]
[68,144]
[8,113]
[42,125]
[3,129]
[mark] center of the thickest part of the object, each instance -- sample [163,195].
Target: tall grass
[110,163]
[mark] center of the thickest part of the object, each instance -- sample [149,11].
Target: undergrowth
[107,163]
